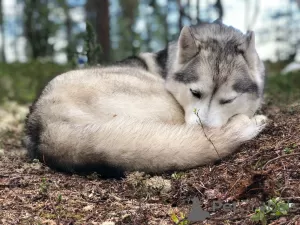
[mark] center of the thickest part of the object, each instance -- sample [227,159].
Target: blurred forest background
[43,38]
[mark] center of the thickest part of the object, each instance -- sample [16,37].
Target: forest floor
[261,170]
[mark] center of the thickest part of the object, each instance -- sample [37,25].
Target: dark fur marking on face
[188,74]
[161,60]
[245,86]
[213,95]
[230,47]
[185,77]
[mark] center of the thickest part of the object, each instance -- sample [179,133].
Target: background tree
[2,53]
[128,12]
[56,30]
[70,48]
[220,10]
[38,28]
[97,13]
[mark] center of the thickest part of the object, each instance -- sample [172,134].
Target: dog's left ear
[250,40]
[187,47]
[249,49]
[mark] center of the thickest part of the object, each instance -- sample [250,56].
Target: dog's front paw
[244,128]
[257,124]
[260,121]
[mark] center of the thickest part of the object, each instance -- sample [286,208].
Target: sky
[234,15]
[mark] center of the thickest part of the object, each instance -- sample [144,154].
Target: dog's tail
[127,145]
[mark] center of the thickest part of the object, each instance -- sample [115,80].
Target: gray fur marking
[223,44]
[185,77]
[245,86]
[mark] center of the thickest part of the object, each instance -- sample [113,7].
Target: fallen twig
[200,123]
[279,157]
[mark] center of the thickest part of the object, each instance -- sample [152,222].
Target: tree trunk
[2,54]
[181,14]
[68,24]
[38,34]
[220,9]
[165,21]
[98,15]
[129,14]
[198,12]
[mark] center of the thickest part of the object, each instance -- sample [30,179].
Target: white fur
[128,121]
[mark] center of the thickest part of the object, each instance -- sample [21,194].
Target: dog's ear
[187,47]
[248,48]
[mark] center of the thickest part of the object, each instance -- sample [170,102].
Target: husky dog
[179,108]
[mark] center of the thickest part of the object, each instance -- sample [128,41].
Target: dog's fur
[122,118]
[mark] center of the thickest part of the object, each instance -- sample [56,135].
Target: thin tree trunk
[198,11]
[129,14]
[2,54]
[181,14]
[149,35]
[98,16]
[220,9]
[103,29]
[166,25]
[68,25]
[37,37]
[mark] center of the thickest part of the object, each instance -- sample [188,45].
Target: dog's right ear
[187,47]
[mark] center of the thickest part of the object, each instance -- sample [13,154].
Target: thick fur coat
[153,112]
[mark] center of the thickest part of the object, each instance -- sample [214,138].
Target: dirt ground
[262,169]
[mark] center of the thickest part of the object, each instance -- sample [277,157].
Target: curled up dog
[143,113]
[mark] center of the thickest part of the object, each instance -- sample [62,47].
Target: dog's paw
[256,125]
[244,128]
[260,120]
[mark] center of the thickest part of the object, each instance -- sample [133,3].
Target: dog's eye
[196,94]
[226,101]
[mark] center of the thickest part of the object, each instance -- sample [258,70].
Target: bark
[129,14]
[2,54]
[220,9]
[198,12]
[98,16]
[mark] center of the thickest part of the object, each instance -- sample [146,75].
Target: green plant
[273,208]
[283,89]
[22,82]
[290,149]
[179,220]
[44,187]
[59,198]
[287,150]
[178,175]
[91,48]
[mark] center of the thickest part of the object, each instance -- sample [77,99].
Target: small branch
[291,198]
[279,157]
[200,123]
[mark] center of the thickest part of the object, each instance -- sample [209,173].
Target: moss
[21,82]
[283,89]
